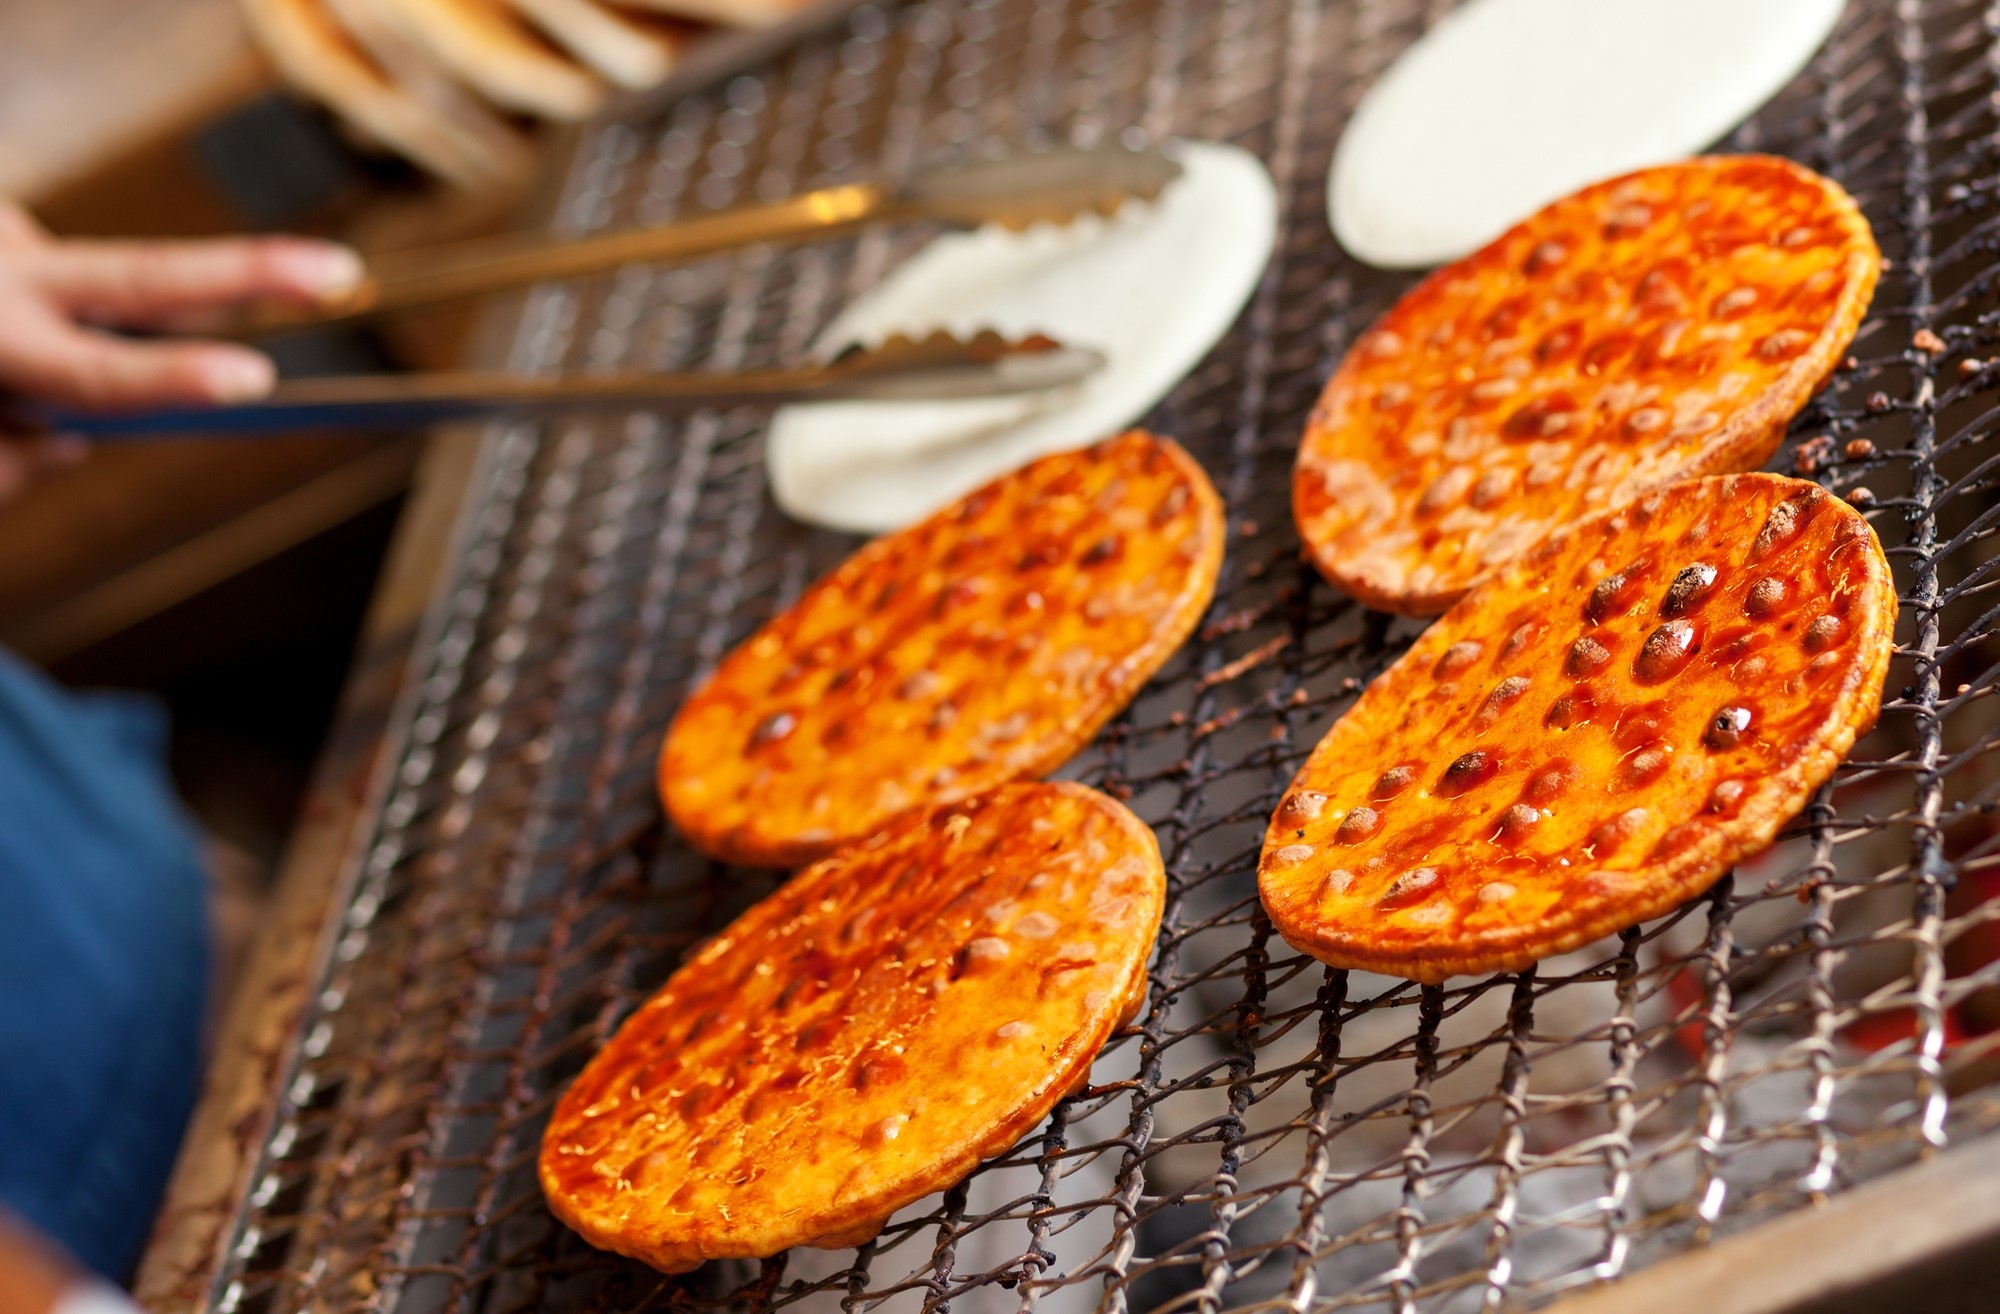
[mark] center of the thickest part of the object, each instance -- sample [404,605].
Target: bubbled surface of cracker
[985,644]
[1657,326]
[1591,736]
[866,1035]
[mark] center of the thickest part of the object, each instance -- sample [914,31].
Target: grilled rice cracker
[985,644]
[628,49]
[1591,736]
[452,135]
[489,48]
[1654,327]
[866,1035]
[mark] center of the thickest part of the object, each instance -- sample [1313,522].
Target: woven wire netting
[1267,1130]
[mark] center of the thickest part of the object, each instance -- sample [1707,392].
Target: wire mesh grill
[1267,1132]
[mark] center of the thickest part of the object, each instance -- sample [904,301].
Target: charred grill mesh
[1267,1130]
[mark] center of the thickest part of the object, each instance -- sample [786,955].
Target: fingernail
[325,267]
[236,376]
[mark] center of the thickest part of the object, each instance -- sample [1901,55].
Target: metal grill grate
[1267,1130]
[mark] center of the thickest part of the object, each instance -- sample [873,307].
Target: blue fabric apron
[103,965]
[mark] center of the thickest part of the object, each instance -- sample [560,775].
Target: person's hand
[58,299]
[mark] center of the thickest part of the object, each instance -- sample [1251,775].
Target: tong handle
[467,268]
[373,401]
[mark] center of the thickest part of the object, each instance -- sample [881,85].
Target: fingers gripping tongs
[1050,186]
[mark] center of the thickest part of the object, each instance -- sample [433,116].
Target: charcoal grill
[1267,1134]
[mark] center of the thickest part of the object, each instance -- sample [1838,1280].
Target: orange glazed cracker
[1661,325]
[1591,736]
[985,644]
[866,1035]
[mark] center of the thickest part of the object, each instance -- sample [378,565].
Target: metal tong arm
[1045,186]
[938,367]
[469,268]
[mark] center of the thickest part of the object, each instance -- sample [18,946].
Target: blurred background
[231,578]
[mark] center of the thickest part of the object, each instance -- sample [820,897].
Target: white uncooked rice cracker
[1508,104]
[1153,288]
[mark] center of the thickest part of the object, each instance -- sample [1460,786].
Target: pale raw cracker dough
[1508,104]
[493,51]
[726,13]
[1153,288]
[626,49]
[426,118]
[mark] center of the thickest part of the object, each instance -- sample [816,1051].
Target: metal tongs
[1046,186]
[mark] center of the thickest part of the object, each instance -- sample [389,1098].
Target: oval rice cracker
[1658,326]
[866,1035]
[1591,736]
[985,644]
